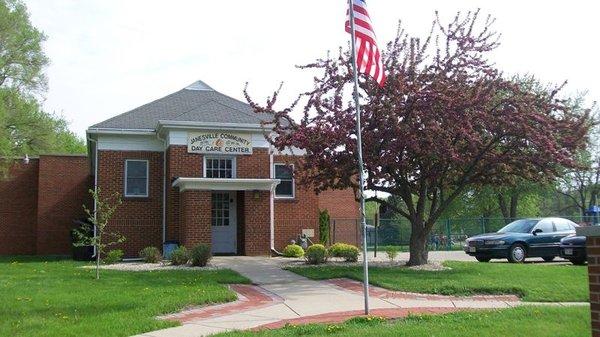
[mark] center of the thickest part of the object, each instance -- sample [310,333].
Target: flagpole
[361,181]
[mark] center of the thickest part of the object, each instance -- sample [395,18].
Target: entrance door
[224,224]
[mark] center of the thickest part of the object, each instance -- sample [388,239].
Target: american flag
[368,57]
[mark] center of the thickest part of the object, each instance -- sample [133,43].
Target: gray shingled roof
[195,103]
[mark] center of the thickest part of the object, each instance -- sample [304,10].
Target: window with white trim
[219,167]
[286,188]
[136,178]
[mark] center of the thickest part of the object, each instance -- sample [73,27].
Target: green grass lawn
[55,298]
[544,283]
[524,321]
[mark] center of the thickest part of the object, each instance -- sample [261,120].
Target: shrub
[150,254]
[200,255]
[316,254]
[346,251]
[180,256]
[324,226]
[293,251]
[392,252]
[113,256]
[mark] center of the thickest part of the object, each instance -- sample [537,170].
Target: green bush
[113,256]
[324,226]
[344,250]
[150,254]
[392,252]
[316,254]
[293,251]
[180,256]
[200,255]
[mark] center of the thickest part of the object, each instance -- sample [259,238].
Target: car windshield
[519,226]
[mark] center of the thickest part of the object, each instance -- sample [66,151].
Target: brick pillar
[195,218]
[257,220]
[592,243]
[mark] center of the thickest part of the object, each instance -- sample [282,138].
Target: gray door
[224,223]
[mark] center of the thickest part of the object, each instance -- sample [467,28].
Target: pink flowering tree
[446,120]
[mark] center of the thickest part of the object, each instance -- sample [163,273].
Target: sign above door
[219,142]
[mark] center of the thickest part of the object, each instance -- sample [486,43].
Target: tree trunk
[418,245]
[509,212]
[514,202]
[503,207]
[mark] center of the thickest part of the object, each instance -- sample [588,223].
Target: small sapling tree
[95,232]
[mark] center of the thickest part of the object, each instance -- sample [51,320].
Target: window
[285,189]
[215,167]
[220,209]
[546,226]
[136,178]
[563,225]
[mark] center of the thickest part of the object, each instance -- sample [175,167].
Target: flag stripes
[368,56]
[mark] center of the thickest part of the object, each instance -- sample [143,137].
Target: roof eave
[189,125]
[120,131]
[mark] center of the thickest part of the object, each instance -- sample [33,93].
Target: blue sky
[110,56]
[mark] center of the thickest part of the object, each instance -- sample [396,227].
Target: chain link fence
[447,234]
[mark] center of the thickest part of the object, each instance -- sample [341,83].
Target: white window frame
[293,196]
[147,179]
[233,165]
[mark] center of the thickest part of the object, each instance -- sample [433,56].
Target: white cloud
[110,56]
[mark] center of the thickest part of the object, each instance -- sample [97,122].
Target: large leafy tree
[446,120]
[24,127]
[21,57]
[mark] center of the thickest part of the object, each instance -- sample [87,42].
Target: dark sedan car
[572,248]
[521,239]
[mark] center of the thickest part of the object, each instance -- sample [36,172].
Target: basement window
[136,178]
[286,188]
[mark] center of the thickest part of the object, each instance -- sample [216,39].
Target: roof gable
[196,103]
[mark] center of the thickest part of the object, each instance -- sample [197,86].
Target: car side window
[546,226]
[562,225]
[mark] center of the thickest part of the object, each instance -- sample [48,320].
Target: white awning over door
[225,184]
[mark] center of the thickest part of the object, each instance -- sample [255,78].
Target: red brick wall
[593,257]
[18,208]
[180,163]
[294,215]
[302,212]
[40,200]
[138,219]
[255,165]
[63,187]
[341,204]
[257,223]
[195,218]
[344,211]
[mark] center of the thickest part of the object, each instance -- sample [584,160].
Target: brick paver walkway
[279,297]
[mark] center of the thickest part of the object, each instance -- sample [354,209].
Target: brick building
[41,198]
[195,167]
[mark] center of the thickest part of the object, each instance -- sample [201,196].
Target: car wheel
[483,258]
[517,253]
[548,258]
[578,262]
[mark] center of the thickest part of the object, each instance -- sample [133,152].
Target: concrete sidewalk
[281,296]
[300,297]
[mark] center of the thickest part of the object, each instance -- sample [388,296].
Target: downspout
[164,196]
[272,205]
[95,181]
